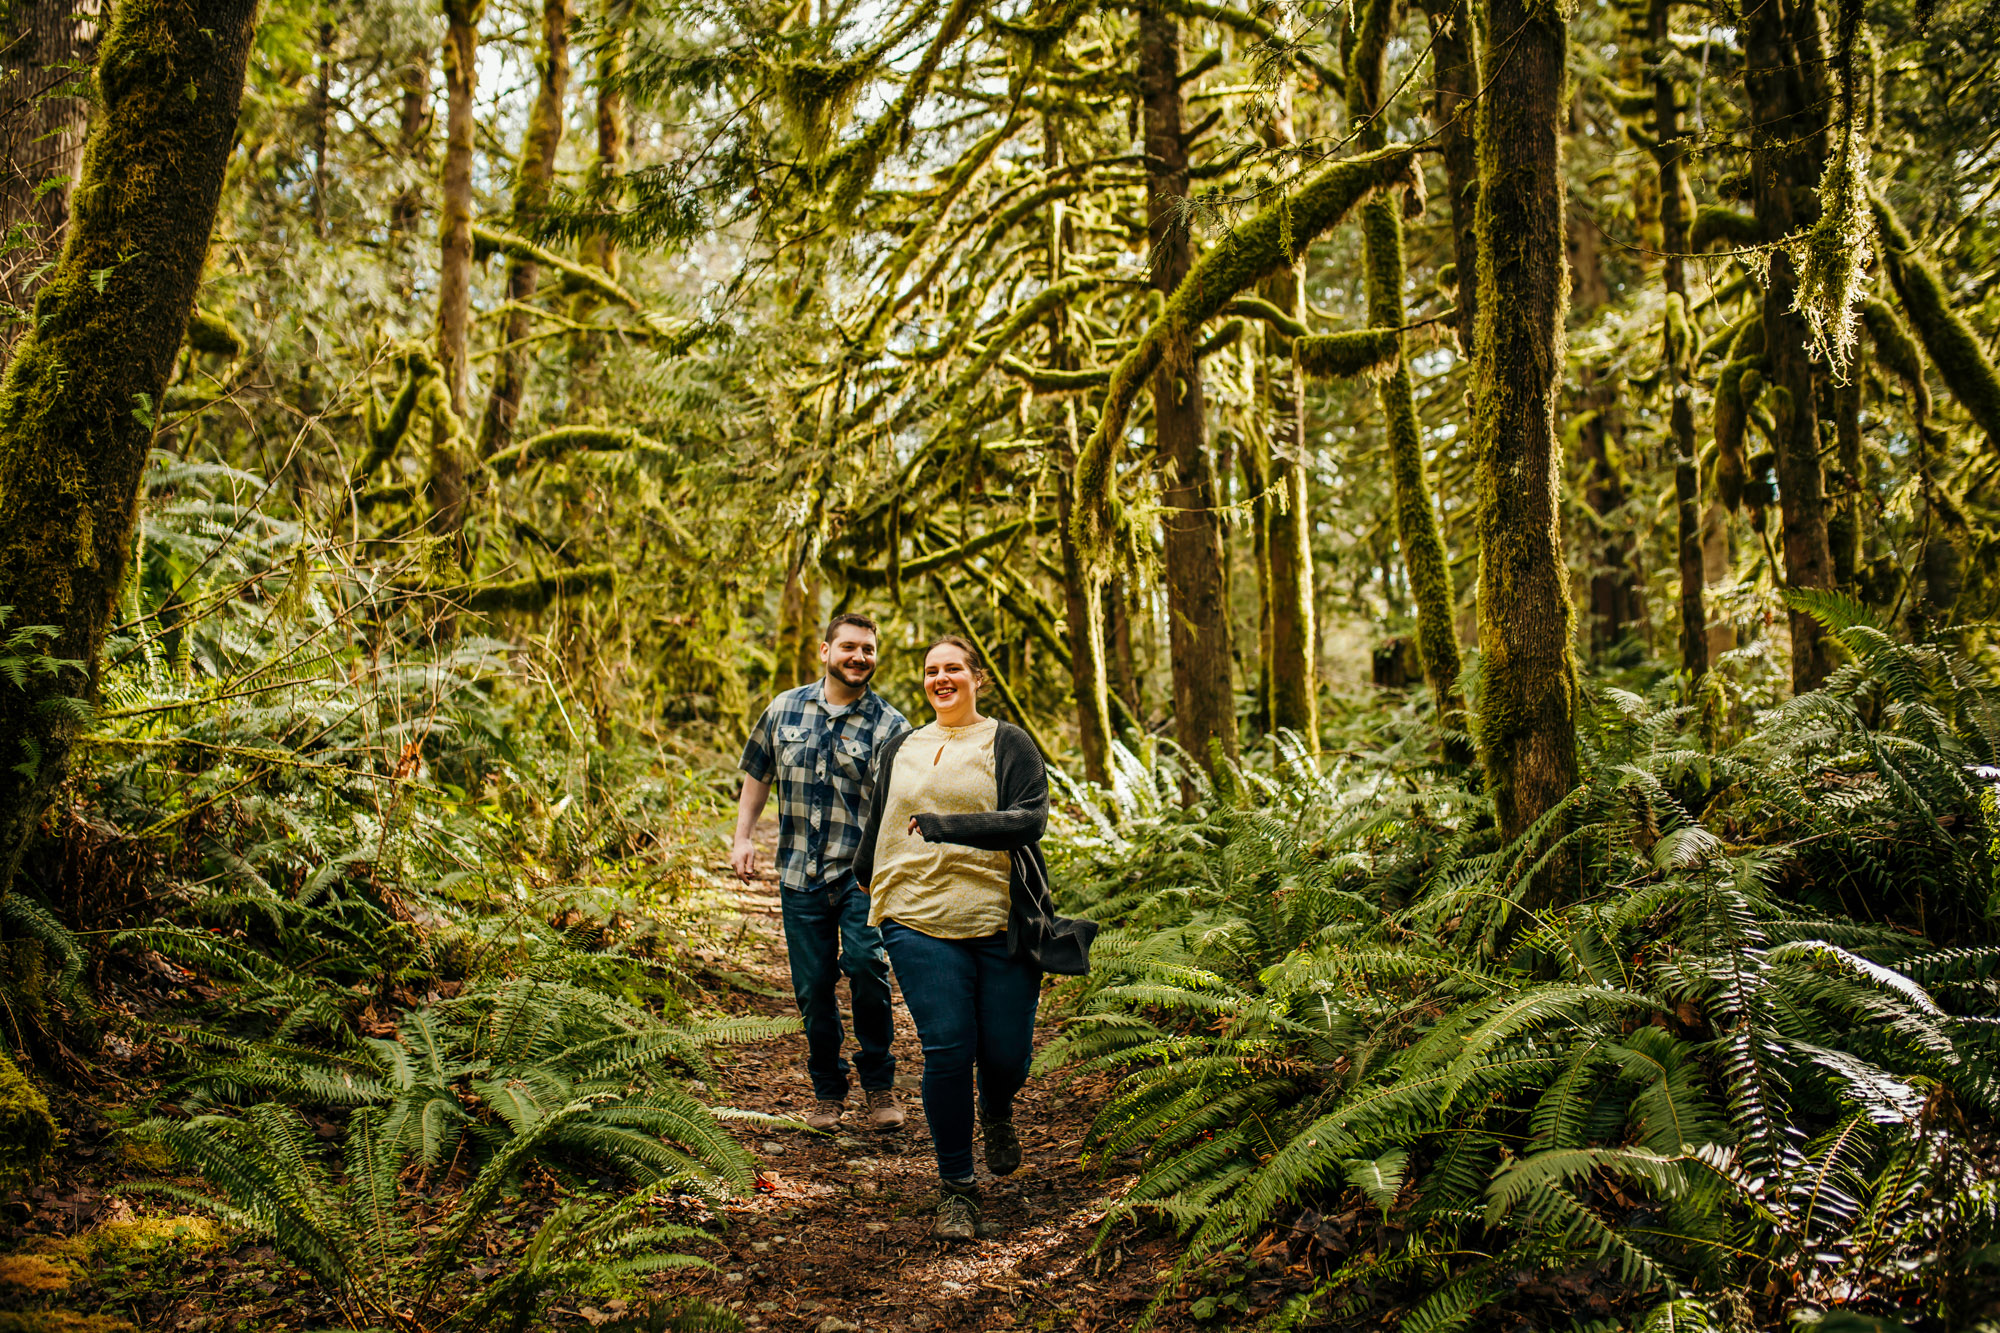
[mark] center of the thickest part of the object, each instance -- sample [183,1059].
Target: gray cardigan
[1016,827]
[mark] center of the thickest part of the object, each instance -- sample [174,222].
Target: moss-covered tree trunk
[1197,610]
[78,401]
[601,250]
[1784,170]
[1528,685]
[532,175]
[41,138]
[1083,613]
[1455,79]
[449,463]
[412,138]
[1290,657]
[1677,343]
[1417,530]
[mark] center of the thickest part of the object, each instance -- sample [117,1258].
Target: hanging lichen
[1336,356]
[817,96]
[1832,256]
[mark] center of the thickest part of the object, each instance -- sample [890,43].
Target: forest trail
[837,1236]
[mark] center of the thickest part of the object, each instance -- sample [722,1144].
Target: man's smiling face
[850,655]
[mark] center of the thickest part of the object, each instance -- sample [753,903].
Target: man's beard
[855,678]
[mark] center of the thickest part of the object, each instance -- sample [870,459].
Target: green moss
[1339,356]
[533,594]
[211,333]
[1676,336]
[1950,342]
[1713,223]
[1897,352]
[1272,240]
[579,276]
[817,95]
[1256,307]
[1732,400]
[554,444]
[27,1129]
[60,1321]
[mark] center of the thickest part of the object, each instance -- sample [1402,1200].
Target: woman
[955,804]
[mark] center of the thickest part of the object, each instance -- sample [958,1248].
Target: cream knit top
[942,889]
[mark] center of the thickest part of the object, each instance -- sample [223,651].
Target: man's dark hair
[853,618]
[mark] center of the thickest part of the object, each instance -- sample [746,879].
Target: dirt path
[838,1236]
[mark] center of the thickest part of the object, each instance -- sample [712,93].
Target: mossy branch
[1272,240]
[211,333]
[1898,353]
[1043,380]
[861,576]
[534,594]
[386,435]
[1339,356]
[553,444]
[1252,26]
[1713,223]
[487,239]
[1947,339]
[1256,307]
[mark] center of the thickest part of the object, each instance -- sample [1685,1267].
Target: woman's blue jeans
[974,1009]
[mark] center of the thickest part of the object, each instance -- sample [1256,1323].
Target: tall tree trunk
[44,45]
[1614,596]
[532,174]
[1528,686]
[72,439]
[601,249]
[1197,611]
[448,495]
[412,134]
[1256,461]
[1290,662]
[1417,530]
[1783,174]
[1678,346]
[1455,74]
[1844,525]
[1122,666]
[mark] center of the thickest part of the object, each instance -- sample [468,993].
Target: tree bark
[1528,692]
[1289,661]
[45,46]
[1455,72]
[411,135]
[1082,586]
[77,403]
[448,491]
[532,175]
[1197,612]
[1678,344]
[1783,176]
[1417,530]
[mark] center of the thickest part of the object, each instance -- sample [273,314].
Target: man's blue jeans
[975,1010]
[827,933]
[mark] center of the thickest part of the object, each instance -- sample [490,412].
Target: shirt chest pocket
[795,749]
[851,757]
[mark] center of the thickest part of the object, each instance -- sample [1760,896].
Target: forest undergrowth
[1740,1074]
[362,964]
[384,1015]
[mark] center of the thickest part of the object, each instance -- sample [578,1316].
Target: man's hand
[749,805]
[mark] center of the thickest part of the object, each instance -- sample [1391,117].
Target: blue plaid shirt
[817,759]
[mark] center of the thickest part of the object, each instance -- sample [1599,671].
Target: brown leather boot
[825,1114]
[884,1111]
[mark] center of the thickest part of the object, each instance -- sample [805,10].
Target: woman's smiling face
[950,683]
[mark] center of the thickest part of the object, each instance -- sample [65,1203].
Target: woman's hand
[914,830]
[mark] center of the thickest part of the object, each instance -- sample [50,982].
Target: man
[816,744]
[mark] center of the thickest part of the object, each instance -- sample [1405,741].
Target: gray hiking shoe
[1003,1146]
[957,1215]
